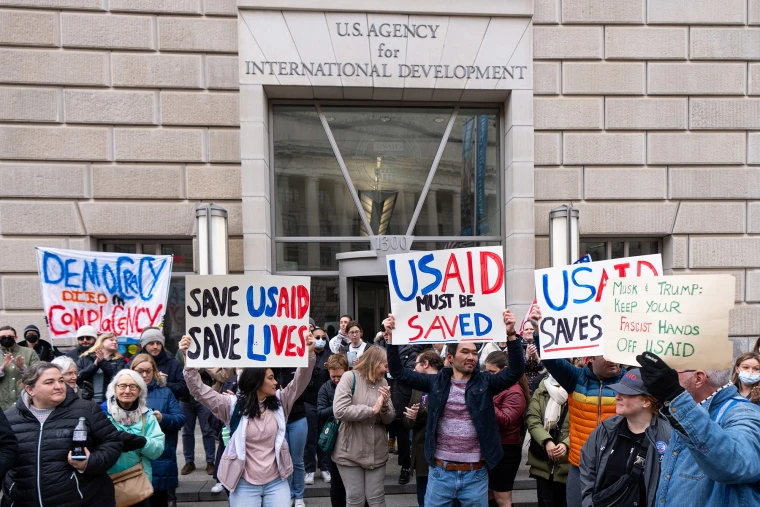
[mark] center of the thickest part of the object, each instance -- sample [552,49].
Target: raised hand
[19,360]
[7,361]
[509,321]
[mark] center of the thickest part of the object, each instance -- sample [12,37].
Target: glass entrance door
[372,302]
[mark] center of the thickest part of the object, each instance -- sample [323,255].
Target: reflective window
[597,250]
[129,248]
[325,303]
[642,247]
[464,197]
[313,256]
[312,198]
[601,250]
[183,256]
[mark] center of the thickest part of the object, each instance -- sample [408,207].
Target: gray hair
[143,398]
[33,373]
[718,378]
[64,363]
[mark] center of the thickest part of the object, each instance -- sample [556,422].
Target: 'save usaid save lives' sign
[447,295]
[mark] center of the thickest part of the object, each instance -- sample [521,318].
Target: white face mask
[748,378]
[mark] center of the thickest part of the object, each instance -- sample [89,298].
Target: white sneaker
[218,488]
[299,503]
[308,479]
[326,476]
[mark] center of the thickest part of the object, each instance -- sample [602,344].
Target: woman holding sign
[256,463]
[363,406]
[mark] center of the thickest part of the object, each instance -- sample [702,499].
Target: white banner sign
[448,296]
[246,321]
[570,298]
[112,292]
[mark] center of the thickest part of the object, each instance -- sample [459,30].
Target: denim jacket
[708,462]
[479,393]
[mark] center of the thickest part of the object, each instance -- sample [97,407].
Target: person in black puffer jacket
[43,420]
[99,364]
[319,376]
[153,342]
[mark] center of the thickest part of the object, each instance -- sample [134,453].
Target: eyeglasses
[143,373]
[354,332]
[82,338]
[128,387]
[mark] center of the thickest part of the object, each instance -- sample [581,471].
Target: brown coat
[362,440]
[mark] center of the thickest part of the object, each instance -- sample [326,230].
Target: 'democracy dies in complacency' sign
[243,321]
[384,50]
[682,319]
[447,295]
[570,298]
[114,293]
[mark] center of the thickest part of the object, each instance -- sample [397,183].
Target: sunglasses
[82,338]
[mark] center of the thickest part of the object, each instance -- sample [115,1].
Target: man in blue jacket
[462,435]
[152,342]
[714,453]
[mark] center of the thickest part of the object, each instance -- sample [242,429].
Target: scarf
[557,398]
[125,417]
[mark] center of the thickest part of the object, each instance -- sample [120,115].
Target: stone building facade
[117,117]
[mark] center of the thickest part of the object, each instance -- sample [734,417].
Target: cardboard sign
[570,298]
[112,292]
[682,319]
[246,321]
[447,296]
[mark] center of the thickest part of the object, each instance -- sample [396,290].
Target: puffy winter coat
[325,403]
[9,390]
[165,471]
[590,401]
[509,407]
[8,446]
[153,448]
[173,371]
[534,419]
[42,474]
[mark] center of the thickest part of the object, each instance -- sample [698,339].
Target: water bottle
[225,435]
[79,441]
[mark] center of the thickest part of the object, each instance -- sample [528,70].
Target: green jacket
[9,389]
[534,419]
[418,463]
[154,445]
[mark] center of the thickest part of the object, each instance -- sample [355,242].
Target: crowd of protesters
[457,417]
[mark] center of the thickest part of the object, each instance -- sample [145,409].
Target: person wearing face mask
[746,376]
[310,396]
[15,360]
[45,351]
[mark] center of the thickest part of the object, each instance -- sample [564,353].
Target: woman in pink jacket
[256,463]
[509,406]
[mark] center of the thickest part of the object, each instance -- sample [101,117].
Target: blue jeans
[193,409]
[296,437]
[272,494]
[444,486]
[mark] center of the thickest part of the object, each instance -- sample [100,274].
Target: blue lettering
[394,279]
[251,343]
[464,325]
[128,278]
[554,307]
[113,286]
[46,258]
[424,261]
[272,306]
[252,311]
[479,317]
[591,288]
[90,271]
[156,275]
[70,274]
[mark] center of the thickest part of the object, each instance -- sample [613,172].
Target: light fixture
[211,220]
[563,235]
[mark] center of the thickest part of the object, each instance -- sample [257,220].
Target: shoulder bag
[329,434]
[132,485]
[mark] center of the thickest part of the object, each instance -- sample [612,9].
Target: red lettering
[436,325]
[303,331]
[279,340]
[647,264]
[290,346]
[622,268]
[293,301]
[452,273]
[415,326]
[484,256]
[52,320]
[154,318]
[283,303]
[469,272]
[303,301]
[602,285]
[92,316]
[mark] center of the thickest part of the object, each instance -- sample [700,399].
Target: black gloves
[131,442]
[659,379]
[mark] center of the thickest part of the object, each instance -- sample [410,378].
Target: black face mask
[32,338]
[7,341]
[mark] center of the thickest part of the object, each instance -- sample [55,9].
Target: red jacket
[510,407]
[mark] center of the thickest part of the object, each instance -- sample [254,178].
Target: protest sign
[447,296]
[682,319]
[112,292]
[570,298]
[245,321]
